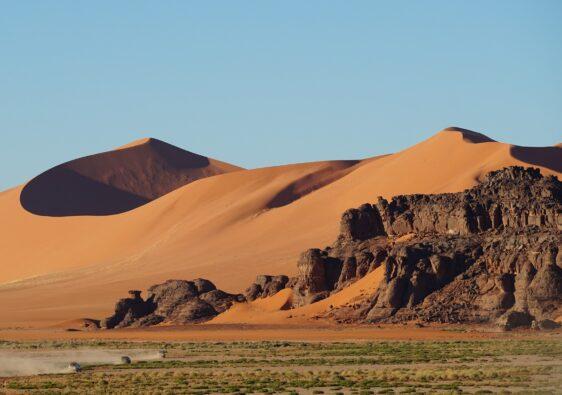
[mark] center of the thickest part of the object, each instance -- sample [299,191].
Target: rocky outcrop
[510,198]
[362,223]
[174,301]
[470,279]
[265,285]
[322,272]
[490,253]
[318,274]
[128,310]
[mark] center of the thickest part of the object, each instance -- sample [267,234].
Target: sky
[261,83]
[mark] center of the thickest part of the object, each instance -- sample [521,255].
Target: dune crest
[137,142]
[469,135]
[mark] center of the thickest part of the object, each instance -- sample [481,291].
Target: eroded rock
[175,302]
[266,285]
[490,253]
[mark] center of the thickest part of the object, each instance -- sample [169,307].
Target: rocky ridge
[489,253]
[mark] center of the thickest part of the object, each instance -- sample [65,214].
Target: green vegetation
[491,366]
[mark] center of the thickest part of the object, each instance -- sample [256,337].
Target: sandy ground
[227,228]
[237,332]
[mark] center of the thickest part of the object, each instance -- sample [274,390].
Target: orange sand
[198,333]
[228,227]
[272,310]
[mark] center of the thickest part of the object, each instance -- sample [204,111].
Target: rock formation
[265,286]
[489,253]
[174,301]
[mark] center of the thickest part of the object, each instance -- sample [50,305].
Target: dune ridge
[227,227]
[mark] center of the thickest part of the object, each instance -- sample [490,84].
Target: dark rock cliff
[476,256]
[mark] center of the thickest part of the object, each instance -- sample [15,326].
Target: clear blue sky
[260,83]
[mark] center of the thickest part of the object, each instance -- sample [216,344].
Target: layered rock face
[489,253]
[510,198]
[174,301]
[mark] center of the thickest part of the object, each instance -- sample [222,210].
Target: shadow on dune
[175,156]
[549,157]
[309,183]
[116,181]
[61,192]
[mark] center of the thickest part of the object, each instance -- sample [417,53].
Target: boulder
[361,223]
[265,285]
[174,302]
[171,294]
[253,292]
[127,310]
[193,311]
[318,276]
[276,284]
[203,285]
[220,300]
[548,325]
[515,319]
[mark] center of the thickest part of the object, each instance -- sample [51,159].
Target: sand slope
[228,227]
[274,309]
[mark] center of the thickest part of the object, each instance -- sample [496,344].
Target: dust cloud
[28,363]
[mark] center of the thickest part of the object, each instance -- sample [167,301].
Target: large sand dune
[116,181]
[227,227]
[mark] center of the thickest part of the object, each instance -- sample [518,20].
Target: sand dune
[116,181]
[228,227]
